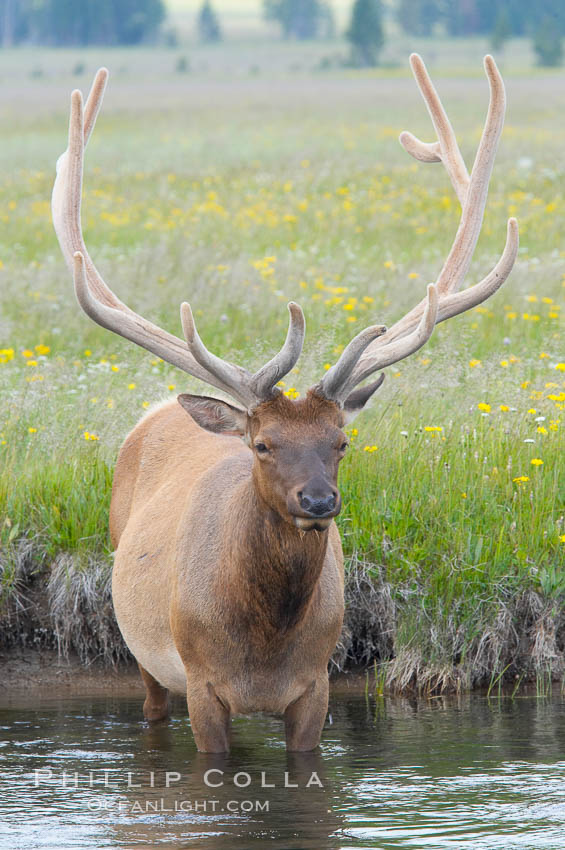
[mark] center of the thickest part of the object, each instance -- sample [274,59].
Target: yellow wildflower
[291,392]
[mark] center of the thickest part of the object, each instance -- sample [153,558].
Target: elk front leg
[304,718]
[157,705]
[209,717]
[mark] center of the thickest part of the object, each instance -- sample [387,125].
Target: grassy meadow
[263,175]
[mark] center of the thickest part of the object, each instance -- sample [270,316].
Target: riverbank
[63,610]
[45,671]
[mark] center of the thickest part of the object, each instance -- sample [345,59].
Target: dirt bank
[45,671]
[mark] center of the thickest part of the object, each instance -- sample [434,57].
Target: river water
[463,773]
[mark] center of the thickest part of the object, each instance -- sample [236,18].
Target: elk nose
[318,505]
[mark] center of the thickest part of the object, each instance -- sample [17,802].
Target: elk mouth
[312,523]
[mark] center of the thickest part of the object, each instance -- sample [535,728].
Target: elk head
[297,445]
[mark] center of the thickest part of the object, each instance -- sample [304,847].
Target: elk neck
[274,568]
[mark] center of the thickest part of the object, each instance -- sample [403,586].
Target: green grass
[241,192]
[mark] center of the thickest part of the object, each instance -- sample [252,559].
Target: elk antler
[99,302]
[374,348]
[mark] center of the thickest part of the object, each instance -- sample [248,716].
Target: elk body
[228,575]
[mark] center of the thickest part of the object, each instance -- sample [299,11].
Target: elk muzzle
[313,505]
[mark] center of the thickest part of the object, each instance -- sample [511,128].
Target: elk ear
[356,401]
[214,415]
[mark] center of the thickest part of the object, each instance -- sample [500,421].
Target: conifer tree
[365,32]
[209,29]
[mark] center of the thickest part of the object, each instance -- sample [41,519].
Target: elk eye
[343,447]
[261,448]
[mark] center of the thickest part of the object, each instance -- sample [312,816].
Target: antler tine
[448,306]
[264,381]
[446,149]
[128,324]
[94,102]
[99,302]
[459,258]
[250,389]
[334,385]
[459,302]
[409,333]
[228,377]
[401,348]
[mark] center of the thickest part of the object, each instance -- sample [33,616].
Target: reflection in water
[461,773]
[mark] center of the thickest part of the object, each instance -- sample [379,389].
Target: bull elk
[228,575]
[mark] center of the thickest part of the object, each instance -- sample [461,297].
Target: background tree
[418,17]
[14,21]
[297,18]
[498,19]
[523,16]
[138,20]
[208,24]
[65,22]
[462,17]
[548,43]
[326,21]
[366,32]
[502,29]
